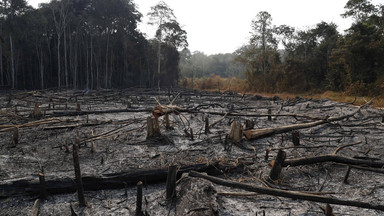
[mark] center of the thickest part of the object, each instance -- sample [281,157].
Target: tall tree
[359,9]
[260,56]
[10,9]
[168,31]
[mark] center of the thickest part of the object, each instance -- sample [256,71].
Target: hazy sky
[222,26]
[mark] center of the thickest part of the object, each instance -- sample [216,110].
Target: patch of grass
[217,83]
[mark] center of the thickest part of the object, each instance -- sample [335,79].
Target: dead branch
[346,145]
[284,193]
[260,133]
[332,158]
[30,124]
[30,185]
[79,113]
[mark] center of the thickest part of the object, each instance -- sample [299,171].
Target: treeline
[318,58]
[200,65]
[85,44]
[285,59]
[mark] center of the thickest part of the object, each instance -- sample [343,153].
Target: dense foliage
[284,59]
[96,44]
[319,58]
[80,44]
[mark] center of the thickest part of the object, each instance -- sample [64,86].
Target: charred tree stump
[36,113]
[277,165]
[227,144]
[167,123]
[79,182]
[139,199]
[191,133]
[206,125]
[328,210]
[15,137]
[345,181]
[249,124]
[236,132]
[171,182]
[153,129]
[269,115]
[43,190]
[296,138]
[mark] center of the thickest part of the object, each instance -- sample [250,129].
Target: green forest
[285,59]
[96,44]
[87,44]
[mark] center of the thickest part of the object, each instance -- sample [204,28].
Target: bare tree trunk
[1,56]
[106,63]
[110,71]
[58,62]
[12,62]
[42,71]
[97,72]
[92,78]
[87,65]
[75,62]
[39,52]
[158,63]
[65,59]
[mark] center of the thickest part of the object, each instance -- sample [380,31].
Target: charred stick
[285,193]
[332,158]
[79,182]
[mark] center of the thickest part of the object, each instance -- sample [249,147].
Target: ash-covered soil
[110,126]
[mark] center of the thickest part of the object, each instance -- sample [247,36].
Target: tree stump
[36,113]
[206,126]
[269,115]
[249,124]
[171,182]
[236,132]
[78,180]
[15,137]
[277,165]
[139,199]
[153,129]
[296,138]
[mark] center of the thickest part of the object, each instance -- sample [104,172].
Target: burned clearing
[260,155]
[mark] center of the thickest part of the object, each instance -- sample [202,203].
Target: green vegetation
[96,44]
[313,60]
[86,43]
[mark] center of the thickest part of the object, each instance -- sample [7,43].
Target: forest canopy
[84,44]
[318,58]
[96,44]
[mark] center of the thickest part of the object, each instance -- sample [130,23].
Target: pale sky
[222,26]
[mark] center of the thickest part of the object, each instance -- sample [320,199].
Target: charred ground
[110,126]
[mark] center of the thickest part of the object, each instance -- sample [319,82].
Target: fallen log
[265,132]
[4,128]
[332,158]
[79,113]
[31,185]
[288,194]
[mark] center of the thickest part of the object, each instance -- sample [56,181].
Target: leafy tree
[357,62]
[263,38]
[260,56]
[168,32]
[359,9]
